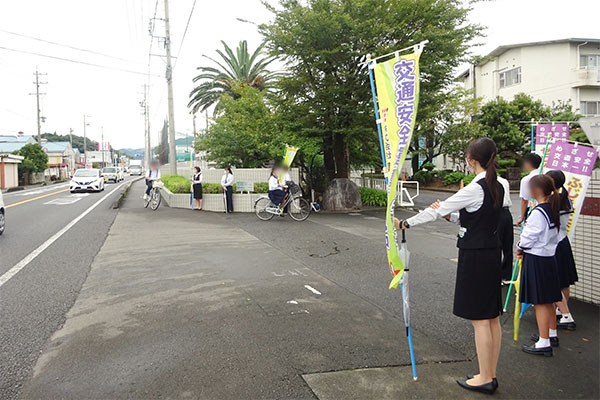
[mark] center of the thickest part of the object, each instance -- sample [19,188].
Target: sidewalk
[182,304]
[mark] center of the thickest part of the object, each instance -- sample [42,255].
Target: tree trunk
[414,162]
[341,155]
[328,159]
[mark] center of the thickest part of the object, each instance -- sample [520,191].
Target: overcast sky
[119,29]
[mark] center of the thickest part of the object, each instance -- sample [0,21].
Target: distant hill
[135,154]
[77,141]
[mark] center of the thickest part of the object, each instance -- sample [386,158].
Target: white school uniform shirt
[524,192]
[286,178]
[227,180]
[506,202]
[153,174]
[537,237]
[274,183]
[470,198]
[197,178]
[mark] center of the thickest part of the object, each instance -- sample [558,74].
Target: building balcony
[587,78]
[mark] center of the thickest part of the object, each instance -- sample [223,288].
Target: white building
[552,70]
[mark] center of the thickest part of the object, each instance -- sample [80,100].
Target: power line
[77,61]
[64,45]
[184,33]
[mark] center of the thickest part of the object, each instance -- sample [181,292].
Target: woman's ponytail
[491,179]
[559,181]
[554,201]
[483,150]
[546,184]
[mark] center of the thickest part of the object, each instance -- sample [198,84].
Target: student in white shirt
[540,284]
[276,187]
[197,187]
[478,295]
[227,184]
[153,174]
[567,271]
[531,164]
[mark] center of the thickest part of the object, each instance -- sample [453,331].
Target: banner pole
[532,136]
[385,175]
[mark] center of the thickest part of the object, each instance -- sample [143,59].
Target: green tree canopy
[233,68]
[36,160]
[324,43]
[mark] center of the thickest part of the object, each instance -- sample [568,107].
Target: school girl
[197,187]
[567,272]
[276,191]
[540,284]
[477,207]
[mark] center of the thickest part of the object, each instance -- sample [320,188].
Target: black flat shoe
[570,326]
[553,340]
[494,380]
[542,351]
[487,388]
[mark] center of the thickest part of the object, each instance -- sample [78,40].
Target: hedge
[373,197]
[180,184]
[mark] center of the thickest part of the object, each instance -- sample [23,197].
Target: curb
[117,203]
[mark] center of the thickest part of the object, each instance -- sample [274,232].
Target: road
[34,301]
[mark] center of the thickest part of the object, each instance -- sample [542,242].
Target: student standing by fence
[227,184]
[197,187]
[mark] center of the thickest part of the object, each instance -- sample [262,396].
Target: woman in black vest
[197,187]
[477,296]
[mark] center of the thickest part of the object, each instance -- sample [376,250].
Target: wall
[212,202]
[251,175]
[10,175]
[586,245]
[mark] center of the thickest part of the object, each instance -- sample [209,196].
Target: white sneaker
[145,196]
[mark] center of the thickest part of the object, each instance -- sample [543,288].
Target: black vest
[482,225]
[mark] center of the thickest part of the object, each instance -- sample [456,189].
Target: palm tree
[234,67]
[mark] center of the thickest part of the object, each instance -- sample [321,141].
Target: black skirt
[539,280]
[197,191]
[478,284]
[567,272]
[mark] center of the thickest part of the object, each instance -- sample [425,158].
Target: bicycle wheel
[260,208]
[299,209]
[147,200]
[155,199]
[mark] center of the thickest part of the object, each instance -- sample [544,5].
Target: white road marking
[354,214]
[63,201]
[36,191]
[292,302]
[31,256]
[80,194]
[312,289]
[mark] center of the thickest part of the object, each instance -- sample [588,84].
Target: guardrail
[404,197]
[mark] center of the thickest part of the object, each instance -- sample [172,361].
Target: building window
[510,77]
[590,108]
[589,61]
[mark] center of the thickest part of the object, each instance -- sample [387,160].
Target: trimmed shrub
[506,163]
[176,183]
[423,177]
[261,187]
[374,176]
[373,197]
[428,166]
[453,178]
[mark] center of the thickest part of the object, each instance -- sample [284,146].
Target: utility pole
[37,94]
[85,124]
[102,144]
[146,114]
[72,162]
[169,75]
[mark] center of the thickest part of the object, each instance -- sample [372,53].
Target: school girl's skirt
[567,272]
[540,283]
[477,294]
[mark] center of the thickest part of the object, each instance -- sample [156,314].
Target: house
[9,170]
[551,70]
[61,160]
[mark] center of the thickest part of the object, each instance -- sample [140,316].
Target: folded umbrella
[405,257]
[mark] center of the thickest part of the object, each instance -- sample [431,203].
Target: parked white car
[87,180]
[111,174]
[2,215]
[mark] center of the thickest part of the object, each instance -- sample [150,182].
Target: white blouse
[537,237]
[227,180]
[470,198]
[274,184]
[197,178]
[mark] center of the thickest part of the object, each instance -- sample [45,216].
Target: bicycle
[298,208]
[154,198]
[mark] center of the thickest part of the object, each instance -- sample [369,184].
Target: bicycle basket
[293,187]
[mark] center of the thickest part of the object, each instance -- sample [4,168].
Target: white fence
[212,202]
[406,192]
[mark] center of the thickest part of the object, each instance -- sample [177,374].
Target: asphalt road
[34,301]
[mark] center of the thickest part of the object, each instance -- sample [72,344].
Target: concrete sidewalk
[184,304]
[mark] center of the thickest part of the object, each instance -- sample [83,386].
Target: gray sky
[119,28]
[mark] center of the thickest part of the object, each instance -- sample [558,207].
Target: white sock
[567,318]
[542,343]
[558,311]
[553,333]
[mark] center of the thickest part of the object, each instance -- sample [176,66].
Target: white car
[2,215]
[111,174]
[135,170]
[87,180]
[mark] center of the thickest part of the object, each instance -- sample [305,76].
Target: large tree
[36,159]
[324,43]
[231,69]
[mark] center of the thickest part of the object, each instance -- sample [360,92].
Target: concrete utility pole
[72,162]
[146,114]
[85,124]
[169,75]
[37,94]
[102,144]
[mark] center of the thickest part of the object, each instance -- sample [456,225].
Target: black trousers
[148,187]
[229,198]
[506,235]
